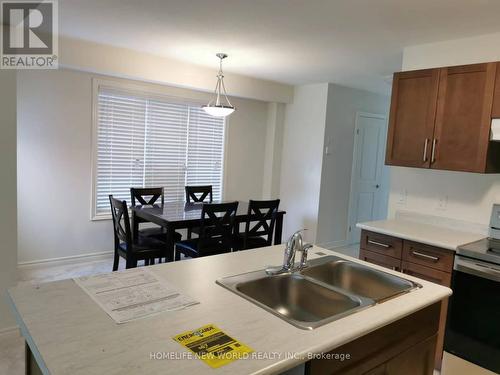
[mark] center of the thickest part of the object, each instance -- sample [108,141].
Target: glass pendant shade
[218,111]
[219,106]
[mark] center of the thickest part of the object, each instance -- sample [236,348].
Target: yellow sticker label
[213,346]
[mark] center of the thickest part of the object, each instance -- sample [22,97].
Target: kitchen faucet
[293,244]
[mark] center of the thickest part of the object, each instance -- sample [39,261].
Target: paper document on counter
[133,294]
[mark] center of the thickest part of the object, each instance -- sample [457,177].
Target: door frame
[359,114]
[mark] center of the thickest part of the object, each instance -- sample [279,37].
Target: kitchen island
[68,333]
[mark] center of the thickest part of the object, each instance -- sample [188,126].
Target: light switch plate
[442,203]
[403,194]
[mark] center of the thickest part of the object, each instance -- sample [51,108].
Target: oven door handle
[477,268]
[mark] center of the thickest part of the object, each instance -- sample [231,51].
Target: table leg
[27,359]
[135,227]
[170,243]
[31,367]
[278,231]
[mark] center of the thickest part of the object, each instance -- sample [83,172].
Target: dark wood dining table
[181,215]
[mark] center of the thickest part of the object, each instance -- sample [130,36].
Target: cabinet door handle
[426,143]
[433,153]
[379,244]
[422,255]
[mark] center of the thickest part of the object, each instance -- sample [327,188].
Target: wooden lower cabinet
[426,262]
[406,346]
[419,358]
[381,260]
[438,277]
[426,273]
[416,360]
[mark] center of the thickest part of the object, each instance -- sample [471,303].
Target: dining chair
[216,232]
[149,196]
[259,225]
[198,194]
[132,250]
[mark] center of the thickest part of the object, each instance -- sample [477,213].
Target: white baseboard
[72,258]
[8,330]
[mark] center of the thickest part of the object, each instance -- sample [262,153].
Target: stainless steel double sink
[330,288]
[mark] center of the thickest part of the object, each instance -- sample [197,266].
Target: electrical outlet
[442,203]
[403,194]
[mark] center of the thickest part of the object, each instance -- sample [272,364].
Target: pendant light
[219,106]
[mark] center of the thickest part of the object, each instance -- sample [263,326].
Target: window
[145,142]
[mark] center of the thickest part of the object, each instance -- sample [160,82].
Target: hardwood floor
[11,353]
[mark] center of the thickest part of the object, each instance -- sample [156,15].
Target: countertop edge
[416,238]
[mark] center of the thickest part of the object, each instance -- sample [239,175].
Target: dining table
[177,215]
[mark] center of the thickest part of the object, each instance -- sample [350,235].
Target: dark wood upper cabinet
[441,118]
[463,117]
[495,110]
[412,117]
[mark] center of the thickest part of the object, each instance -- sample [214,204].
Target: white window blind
[146,142]
[205,150]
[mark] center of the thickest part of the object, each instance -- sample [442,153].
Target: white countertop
[70,334]
[424,233]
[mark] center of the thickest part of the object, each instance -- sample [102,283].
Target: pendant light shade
[219,106]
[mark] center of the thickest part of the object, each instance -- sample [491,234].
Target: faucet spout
[293,244]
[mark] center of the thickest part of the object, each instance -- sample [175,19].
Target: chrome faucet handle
[303,259]
[276,270]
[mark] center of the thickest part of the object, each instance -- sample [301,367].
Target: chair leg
[152,261]
[189,233]
[131,263]
[177,255]
[116,261]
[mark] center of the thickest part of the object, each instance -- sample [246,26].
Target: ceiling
[356,43]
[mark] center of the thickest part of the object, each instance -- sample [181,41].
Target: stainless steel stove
[487,249]
[473,327]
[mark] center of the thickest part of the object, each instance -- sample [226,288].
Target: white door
[369,180]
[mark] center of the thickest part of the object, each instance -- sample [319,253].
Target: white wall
[472,50]
[343,104]
[8,193]
[274,149]
[470,196]
[302,158]
[125,63]
[54,165]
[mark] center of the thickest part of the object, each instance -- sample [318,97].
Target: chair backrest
[261,219]
[121,222]
[146,196]
[217,225]
[199,193]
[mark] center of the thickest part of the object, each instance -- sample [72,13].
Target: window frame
[147,92]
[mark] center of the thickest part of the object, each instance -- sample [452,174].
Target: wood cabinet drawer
[426,273]
[426,255]
[381,243]
[380,260]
